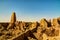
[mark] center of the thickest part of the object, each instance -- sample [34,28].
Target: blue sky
[29,10]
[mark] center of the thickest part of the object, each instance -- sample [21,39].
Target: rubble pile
[19,30]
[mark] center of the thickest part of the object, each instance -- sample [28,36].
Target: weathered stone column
[13,18]
[12,21]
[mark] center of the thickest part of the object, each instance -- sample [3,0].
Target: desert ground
[19,30]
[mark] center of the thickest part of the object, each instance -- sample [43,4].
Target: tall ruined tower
[13,18]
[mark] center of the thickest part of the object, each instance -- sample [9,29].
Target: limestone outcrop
[19,30]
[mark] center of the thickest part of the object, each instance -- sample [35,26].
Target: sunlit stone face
[13,18]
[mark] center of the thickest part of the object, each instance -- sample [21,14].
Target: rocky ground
[43,30]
